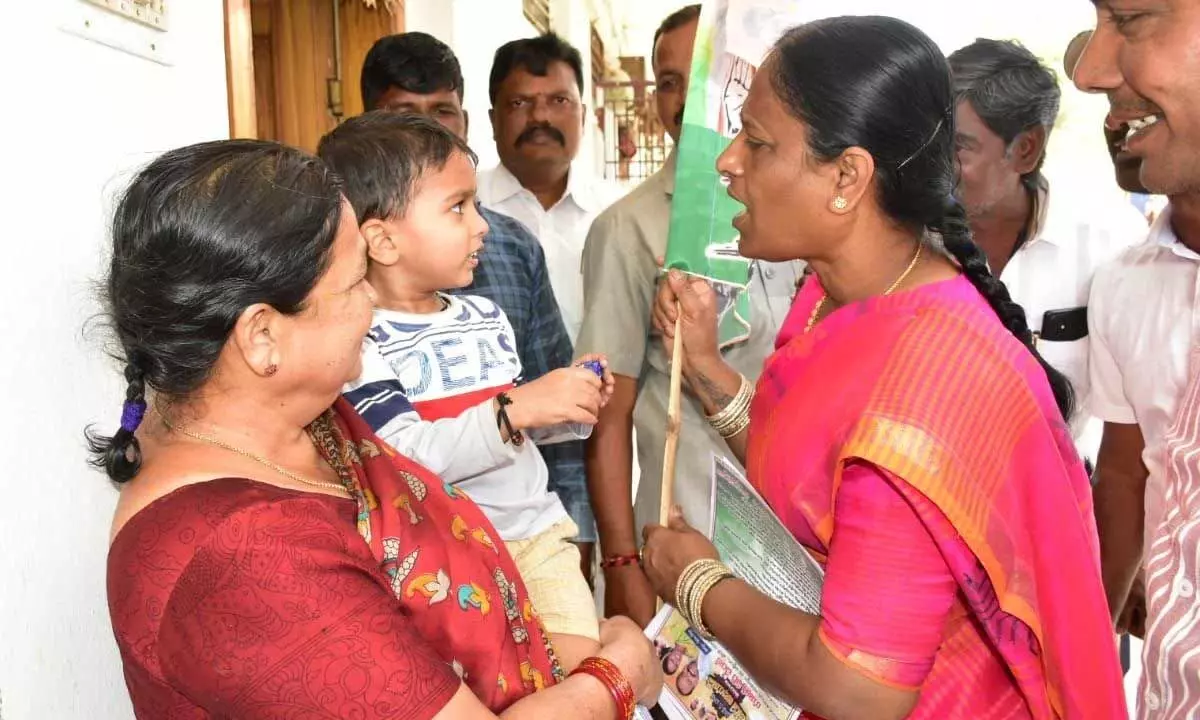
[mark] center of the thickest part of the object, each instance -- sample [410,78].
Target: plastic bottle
[565,432]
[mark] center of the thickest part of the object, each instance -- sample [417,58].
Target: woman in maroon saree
[270,557]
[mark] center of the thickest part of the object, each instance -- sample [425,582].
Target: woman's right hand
[623,644]
[697,300]
[570,394]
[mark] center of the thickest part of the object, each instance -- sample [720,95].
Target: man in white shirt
[1127,170]
[537,120]
[1045,247]
[1144,312]
[1145,333]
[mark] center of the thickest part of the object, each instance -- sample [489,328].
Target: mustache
[1131,106]
[545,129]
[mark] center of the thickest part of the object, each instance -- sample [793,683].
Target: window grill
[635,143]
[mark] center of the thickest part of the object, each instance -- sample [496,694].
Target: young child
[439,372]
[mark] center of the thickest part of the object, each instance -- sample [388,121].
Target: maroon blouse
[234,598]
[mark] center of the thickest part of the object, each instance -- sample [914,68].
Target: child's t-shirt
[426,388]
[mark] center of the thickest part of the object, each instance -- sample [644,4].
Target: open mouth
[1139,125]
[1123,134]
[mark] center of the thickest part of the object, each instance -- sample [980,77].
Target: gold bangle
[695,593]
[743,408]
[730,413]
[699,594]
[739,425]
[694,583]
[736,407]
[684,583]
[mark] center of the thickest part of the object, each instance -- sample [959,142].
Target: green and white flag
[733,38]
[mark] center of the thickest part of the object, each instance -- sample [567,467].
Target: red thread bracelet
[614,680]
[621,560]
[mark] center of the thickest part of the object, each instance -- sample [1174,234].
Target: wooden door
[287,79]
[360,28]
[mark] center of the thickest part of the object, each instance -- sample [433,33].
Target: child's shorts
[549,565]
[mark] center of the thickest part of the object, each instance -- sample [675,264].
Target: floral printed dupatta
[447,567]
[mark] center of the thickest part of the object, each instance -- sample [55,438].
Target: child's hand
[609,383]
[570,394]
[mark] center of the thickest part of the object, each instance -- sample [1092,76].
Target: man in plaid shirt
[417,73]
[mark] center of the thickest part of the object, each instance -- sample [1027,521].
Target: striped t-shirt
[426,388]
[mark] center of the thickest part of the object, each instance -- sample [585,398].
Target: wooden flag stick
[674,422]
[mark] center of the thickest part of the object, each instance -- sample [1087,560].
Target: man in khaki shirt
[620,271]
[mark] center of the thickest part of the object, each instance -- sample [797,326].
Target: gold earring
[840,203]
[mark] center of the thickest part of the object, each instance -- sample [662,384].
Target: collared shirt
[1053,271]
[620,273]
[1145,315]
[561,230]
[512,274]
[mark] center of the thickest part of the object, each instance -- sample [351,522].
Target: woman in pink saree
[906,431]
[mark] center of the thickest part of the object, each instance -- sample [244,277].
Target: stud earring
[840,203]
[271,370]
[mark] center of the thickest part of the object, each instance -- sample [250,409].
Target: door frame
[239,70]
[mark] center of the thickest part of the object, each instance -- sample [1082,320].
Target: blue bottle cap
[594,366]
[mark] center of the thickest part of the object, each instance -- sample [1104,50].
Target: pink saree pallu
[927,389]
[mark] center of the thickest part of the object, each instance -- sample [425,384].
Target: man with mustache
[417,73]
[1145,362]
[538,118]
[620,272]
[1044,245]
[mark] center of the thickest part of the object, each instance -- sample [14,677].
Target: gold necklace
[812,319]
[246,453]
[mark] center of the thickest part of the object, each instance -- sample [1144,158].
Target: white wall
[77,116]
[474,29]
[571,19]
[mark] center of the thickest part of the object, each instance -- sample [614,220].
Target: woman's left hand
[668,550]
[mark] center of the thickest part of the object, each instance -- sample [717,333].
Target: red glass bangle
[613,679]
[620,560]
